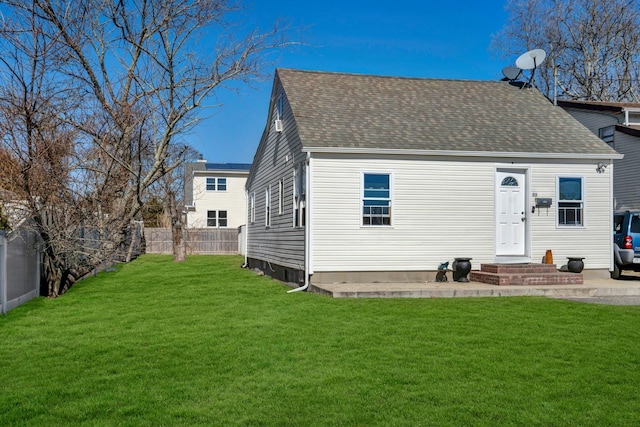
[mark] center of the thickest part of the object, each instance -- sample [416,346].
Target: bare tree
[94,94]
[593,46]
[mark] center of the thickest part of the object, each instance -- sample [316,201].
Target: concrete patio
[628,286]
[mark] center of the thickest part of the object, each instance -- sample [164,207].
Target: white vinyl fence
[19,268]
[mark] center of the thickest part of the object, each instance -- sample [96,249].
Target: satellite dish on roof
[511,73]
[527,61]
[531,60]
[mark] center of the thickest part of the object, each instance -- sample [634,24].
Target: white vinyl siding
[231,198]
[443,209]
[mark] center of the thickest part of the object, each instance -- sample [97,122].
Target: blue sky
[443,39]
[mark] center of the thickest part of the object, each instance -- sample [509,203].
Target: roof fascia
[592,107]
[628,130]
[454,153]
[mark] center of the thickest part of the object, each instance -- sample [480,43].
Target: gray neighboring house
[618,124]
[371,178]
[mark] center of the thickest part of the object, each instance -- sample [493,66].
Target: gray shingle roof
[334,110]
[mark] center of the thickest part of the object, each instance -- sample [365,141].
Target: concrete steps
[524,275]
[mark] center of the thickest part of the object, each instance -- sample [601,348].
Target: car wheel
[615,274]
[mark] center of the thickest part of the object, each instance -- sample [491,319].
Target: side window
[252,217]
[216,184]
[211,184]
[280,197]
[222,218]
[570,202]
[299,194]
[212,219]
[267,206]
[635,224]
[376,199]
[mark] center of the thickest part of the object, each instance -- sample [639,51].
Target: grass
[207,343]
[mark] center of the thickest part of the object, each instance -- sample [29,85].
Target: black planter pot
[461,268]
[575,264]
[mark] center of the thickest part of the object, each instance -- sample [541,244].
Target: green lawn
[207,343]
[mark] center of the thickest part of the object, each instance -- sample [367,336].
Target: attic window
[607,134]
[279,108]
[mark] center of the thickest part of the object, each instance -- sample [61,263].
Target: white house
[215,194]
[618,124]
[371,178]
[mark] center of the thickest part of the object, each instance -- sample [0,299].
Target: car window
[617,223]
[635,224]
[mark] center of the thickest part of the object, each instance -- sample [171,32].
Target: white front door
[510,212]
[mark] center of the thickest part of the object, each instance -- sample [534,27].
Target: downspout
[307,229]
[246,228]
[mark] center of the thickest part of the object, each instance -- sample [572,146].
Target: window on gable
[376,199]
[216,184]
[570,201]
[607,134]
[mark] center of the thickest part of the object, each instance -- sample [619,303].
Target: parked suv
[626,239]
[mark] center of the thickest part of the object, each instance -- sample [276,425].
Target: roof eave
[456,153]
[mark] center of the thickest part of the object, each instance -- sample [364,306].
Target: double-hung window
[216,218]
[216,184]
[376,199]
[570,201]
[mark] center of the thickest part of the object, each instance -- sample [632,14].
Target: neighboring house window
[607,134]
[216,184]
[211,184]
[570,201]
[299,195]
[222,218]
[216,218]
[376,199]
[281,197]
[279,108]
[252,218]
[267,206]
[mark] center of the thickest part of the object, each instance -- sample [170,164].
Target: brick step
[502,279]
[524,268]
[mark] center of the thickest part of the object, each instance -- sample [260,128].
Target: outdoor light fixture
[601,167]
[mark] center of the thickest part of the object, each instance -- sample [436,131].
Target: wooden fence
[201,241]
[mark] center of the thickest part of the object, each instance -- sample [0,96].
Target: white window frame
[214,218]
[299,194]
[252,207]
[217,218]
[363,199]
[214,182]
[563,206]
[281,196]
[267,206]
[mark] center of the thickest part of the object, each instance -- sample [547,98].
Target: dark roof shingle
[334,110]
